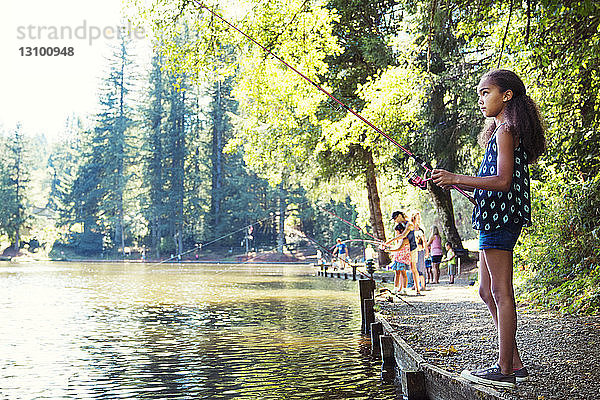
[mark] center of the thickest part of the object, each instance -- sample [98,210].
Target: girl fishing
[405,254]
[513,138]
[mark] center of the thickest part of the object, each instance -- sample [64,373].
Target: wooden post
[386,344]
[413,383]
[369,314]
[388,362]
[366,287]
[354,272]
[376,331]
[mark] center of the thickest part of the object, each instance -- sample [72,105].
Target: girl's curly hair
[523,117]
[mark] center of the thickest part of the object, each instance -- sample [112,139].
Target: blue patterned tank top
[511,209]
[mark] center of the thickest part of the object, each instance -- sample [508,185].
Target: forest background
[215,136]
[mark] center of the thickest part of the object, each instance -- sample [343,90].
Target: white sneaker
[403,291]
[395,290]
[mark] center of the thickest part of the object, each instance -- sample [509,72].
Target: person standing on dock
[370,254]
[320,260]
[341,252]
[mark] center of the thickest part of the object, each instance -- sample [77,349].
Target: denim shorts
[501,239]
[398,266]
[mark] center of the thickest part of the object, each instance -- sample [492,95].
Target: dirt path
[450,327]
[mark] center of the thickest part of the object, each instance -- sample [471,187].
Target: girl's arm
[409,227]
[401,235]
[500,182]
[392,239]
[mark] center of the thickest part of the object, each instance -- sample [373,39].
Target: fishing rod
[377,242]
[322,246]
[366,275]
[347,222]
[427,166]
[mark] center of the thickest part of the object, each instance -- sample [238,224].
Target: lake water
[168,331]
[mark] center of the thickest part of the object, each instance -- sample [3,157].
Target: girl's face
[491,99]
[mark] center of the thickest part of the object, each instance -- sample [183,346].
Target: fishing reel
[418,181]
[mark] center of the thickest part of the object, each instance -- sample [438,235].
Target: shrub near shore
[561,251]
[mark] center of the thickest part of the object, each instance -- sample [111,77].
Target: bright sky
[41,92]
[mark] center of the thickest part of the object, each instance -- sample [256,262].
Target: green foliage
[15,173]
[277,128]
[393,103]
[63,162]
[561,252]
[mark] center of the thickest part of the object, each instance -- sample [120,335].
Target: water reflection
[181,332]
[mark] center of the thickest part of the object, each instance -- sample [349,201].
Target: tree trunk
[179,243]
[443,138]
[217,158]
[17,244]
[445,210]
[375,206]
[156,237]
[282,210]
[121,167]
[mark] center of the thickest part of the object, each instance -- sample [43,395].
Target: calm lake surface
[189,331]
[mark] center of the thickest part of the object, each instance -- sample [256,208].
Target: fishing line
[417,159]
[366,275]
[201,245]
[377,242]
[346,222]
[270,45]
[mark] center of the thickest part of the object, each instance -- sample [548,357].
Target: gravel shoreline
[451,328]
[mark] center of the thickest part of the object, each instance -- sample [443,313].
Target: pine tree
[221,132]
[154,175]
[111,130]
[63,162]
[96,197]
[15,176]
[175,151]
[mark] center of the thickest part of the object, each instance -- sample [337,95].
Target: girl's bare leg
[436,273]
[413,269]
[403,279]
[496,291]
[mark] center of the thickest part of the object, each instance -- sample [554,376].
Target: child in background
[428,270]
[451,260]
[436,251]
[421,249]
